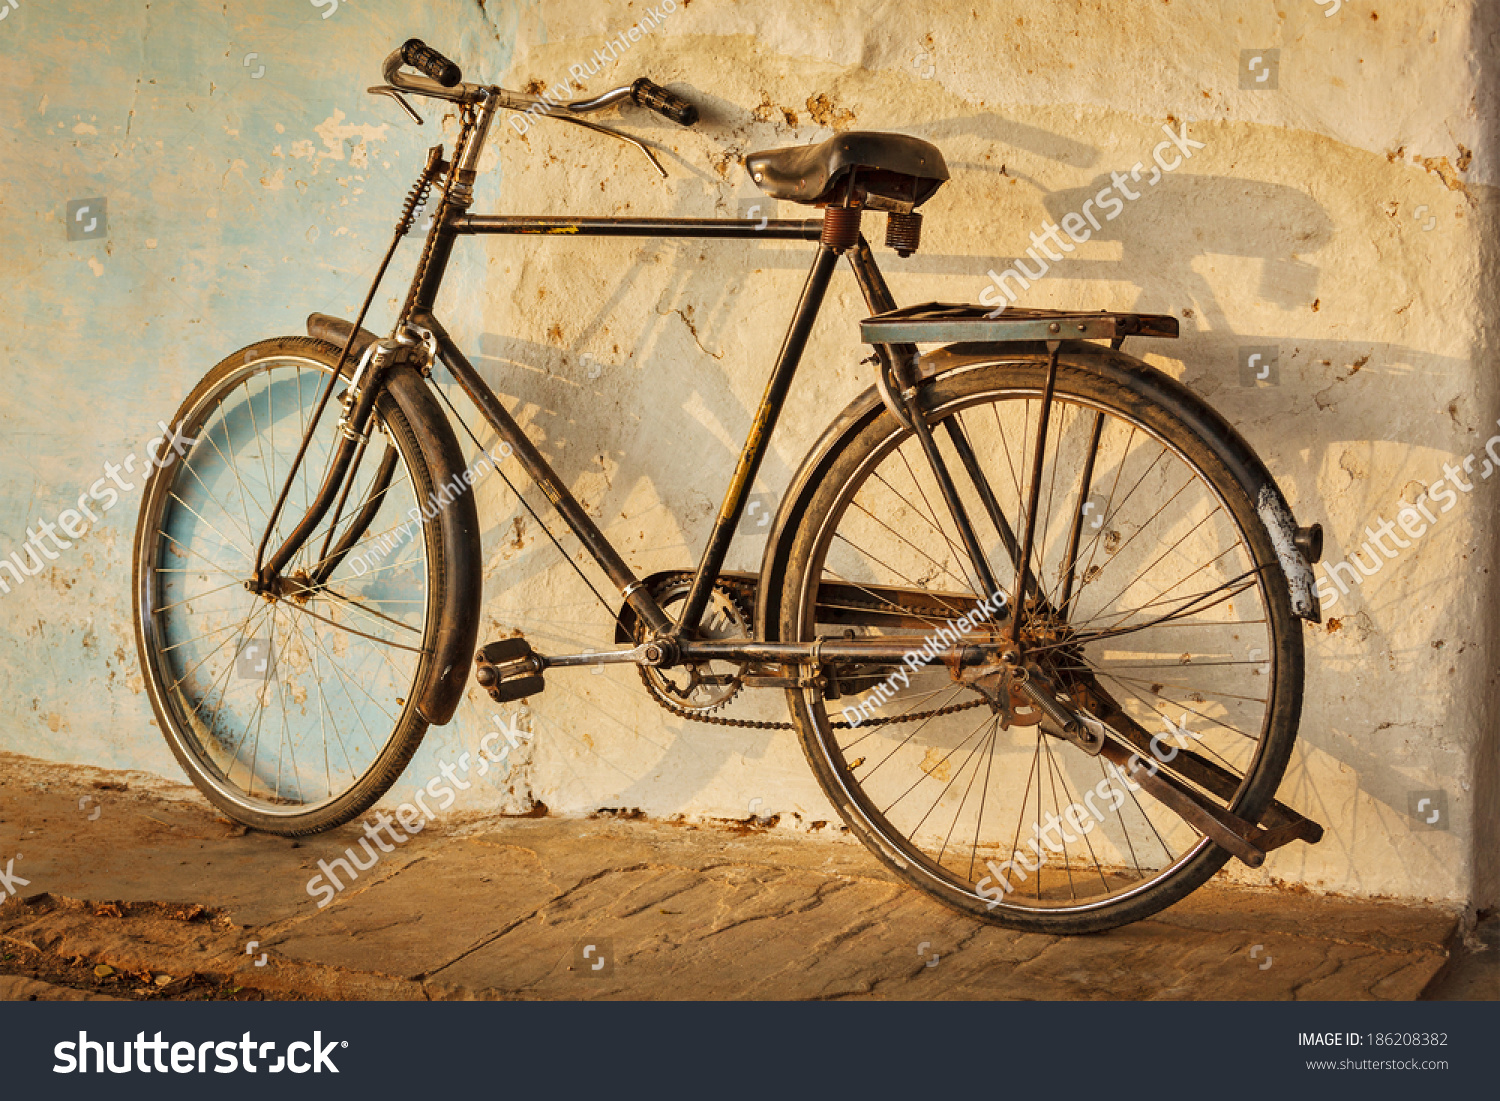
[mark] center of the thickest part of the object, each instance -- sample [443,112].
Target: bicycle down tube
[454,220]
[540,471]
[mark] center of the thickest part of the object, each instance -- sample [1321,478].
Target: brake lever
[650,156]
[395,94]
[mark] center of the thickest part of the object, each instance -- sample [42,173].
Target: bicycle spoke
[267,746]
[1161,551]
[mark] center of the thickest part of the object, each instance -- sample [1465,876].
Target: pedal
[508,669]
[504,651]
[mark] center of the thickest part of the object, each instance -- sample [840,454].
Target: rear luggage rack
[951,323]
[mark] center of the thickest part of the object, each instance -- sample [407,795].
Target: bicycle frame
[1080,710]
[763,424]
[453,221]
[537,467]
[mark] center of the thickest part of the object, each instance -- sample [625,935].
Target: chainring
[740,596]
[708,686]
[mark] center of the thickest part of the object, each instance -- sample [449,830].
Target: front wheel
[292,712]
[1157,605]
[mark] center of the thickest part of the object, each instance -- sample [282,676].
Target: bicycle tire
[868,431]
[428,465]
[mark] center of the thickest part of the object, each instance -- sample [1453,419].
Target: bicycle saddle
[903,170]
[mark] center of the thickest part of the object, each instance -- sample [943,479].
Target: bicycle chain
[839,724]
[754,724]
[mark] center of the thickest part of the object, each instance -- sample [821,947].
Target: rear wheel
[1158,606]
[291,713]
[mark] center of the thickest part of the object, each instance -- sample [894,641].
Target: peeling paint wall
[1340,212]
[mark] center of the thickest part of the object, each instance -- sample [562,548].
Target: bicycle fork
[354,427]
[354,424]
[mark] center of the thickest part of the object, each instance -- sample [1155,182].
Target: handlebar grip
[422,57]
[663,102]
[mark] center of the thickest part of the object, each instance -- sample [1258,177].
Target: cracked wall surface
[1345,218]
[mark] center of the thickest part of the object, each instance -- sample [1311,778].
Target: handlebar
[425,59]
[442,79]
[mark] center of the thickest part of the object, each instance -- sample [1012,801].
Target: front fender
[451,647]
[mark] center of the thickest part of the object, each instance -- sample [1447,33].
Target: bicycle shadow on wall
[526,568]
[1276,226]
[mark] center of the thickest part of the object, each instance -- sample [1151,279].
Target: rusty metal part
[1280,824]
[841,227]
[742,587]
[421,191]
[1009,685]
[298,587]
[1243,839]
[1223,828]
[1309,540]
[1040,690]
[903,232]
[705,691]
[1002,685]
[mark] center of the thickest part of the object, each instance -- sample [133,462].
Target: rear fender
[1150,385]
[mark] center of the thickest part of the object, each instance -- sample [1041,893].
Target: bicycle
[1023,555]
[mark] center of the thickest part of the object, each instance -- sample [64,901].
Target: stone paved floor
[159,885]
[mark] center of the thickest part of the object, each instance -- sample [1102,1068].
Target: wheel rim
[938,791]
[284,705]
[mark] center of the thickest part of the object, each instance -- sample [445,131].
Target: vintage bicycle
[1031,602]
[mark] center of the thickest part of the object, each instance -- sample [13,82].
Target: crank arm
[634,655]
